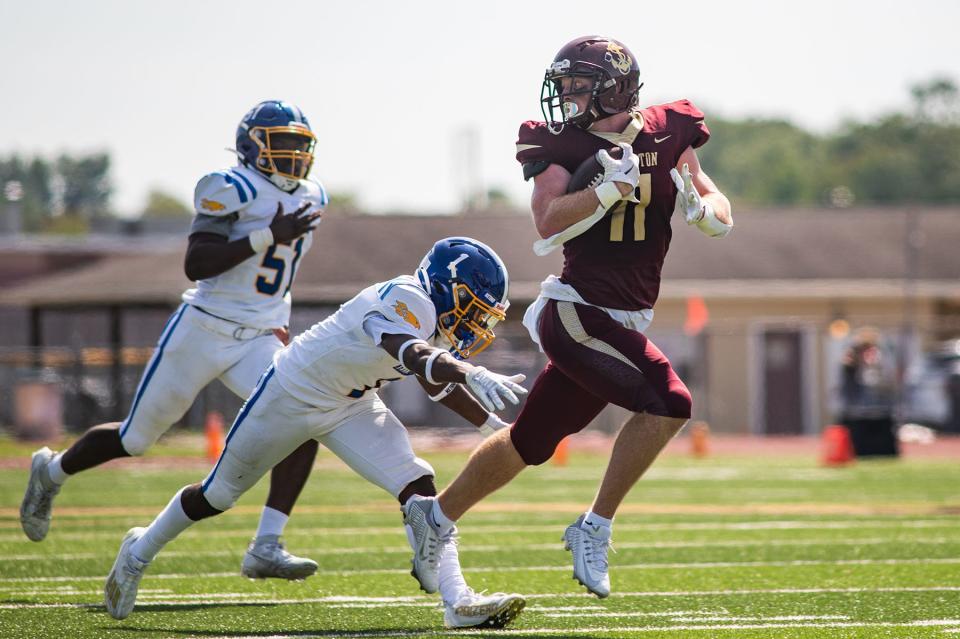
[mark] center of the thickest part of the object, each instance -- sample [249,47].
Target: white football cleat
[38,498]
[427,542]
[483,611]
[120,589]
[267,557]
[589,548]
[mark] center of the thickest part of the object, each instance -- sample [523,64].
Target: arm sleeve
[216,224]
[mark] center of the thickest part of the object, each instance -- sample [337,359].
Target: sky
[397,92]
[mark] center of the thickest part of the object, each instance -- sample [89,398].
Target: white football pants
[194,349]
[272,424]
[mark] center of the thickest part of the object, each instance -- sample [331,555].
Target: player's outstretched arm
[437,366]
[698,198]
[210,254]
[459,400]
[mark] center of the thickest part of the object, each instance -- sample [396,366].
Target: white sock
[169,523]
[452,584]
[593,519]
[55,470]
[443,522]
[272,522]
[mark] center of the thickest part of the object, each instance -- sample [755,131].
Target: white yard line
[333,599]
[697,618]
[555,568]
[469,548]
[614,630]
[489,528]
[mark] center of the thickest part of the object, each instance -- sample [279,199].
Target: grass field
[761,546]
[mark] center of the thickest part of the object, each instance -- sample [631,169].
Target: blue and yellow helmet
[468,284]
[274,138]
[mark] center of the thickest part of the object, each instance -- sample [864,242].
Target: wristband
[404,346]
[608,194]
[449,388]
[492,425]
[261,239]
[427,373]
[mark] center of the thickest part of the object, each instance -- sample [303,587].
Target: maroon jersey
[617,262]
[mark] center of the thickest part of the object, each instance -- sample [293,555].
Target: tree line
[910,157]
[899,158]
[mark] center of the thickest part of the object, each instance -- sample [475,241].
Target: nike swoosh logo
[659,140]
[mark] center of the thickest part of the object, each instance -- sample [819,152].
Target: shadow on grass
[373,633]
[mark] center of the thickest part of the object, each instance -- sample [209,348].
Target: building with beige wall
[781,295]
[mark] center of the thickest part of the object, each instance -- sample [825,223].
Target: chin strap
[284,183]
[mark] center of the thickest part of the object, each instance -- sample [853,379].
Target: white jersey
[339,360]
[255,292]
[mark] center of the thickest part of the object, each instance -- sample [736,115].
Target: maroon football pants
[594,360]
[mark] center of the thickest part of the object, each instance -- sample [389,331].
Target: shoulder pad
[684,107]
[685,117]
[314,193]
[533,142]
[223,192]
[402,300]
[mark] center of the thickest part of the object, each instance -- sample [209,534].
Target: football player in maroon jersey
[590,321]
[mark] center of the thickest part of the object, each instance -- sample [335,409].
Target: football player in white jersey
[324,387]
[243,252]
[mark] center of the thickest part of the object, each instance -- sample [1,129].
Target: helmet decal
[602,69]
[618,58]
[453,265]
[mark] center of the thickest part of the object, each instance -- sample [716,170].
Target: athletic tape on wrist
[710,224]
[494,421]
[608,194]
[261,239]
[428,373]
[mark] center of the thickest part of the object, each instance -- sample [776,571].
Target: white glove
[688,203]
[490,387]
[626,169]
[492,425]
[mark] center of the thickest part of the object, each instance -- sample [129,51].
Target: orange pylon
[837,446]
[699,439]
[213,432]
[561,453]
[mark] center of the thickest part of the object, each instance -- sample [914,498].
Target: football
[590,172]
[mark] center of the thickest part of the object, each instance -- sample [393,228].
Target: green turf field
[725,547]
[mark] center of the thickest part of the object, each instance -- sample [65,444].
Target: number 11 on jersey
[644,186]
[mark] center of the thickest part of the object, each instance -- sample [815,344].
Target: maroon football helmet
[614,81]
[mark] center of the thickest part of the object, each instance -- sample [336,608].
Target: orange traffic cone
[213,431]
[560,454]
[837,446]
[699,439]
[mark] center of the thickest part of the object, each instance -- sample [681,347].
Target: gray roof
[780,253]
